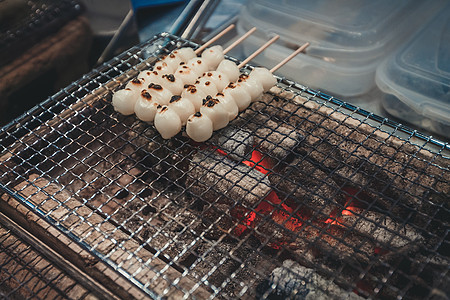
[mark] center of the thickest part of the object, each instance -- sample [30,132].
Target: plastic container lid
[349,38]
[350,29]
[416,78]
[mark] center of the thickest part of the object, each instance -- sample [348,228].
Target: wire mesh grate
[25,273]
[300,194]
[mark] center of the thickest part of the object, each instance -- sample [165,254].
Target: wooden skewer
[213,39]
[293,54]
[239,40]
[257,52]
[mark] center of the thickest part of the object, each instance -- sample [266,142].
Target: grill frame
[33,270]
[72,102]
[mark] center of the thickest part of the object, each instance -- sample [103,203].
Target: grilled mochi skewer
[248,88]
[215,109]
[182,106]
[171,63]
[161,85]
[216,112]
[192,68]
[125,99]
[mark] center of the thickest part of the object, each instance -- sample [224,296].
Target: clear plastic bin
[416,78]
[348,38]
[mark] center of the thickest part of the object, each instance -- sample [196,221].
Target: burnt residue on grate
[293,198]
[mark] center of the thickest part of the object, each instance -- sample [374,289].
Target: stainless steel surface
[193,18]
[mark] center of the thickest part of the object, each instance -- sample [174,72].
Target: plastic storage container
[348,38]
[416,78]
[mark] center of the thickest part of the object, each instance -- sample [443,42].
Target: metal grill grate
[25,273]
[300,195]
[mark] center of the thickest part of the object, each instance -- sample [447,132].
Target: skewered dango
[216,111]
[213,56]
[159,94]
[199,127]
[145,108]
[183,107]
[167,122]
[202,93]
[195,95]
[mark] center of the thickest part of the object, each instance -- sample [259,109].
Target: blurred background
[391,58]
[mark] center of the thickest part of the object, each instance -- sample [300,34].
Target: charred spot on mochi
[136,81]
[155,72]
[209,74]
[210,102]
[185,67]
[197,82]
[231,85]
[220,94]
[169,77]
[242,77]
[207,83]
[146,95]
[182,63]
[208,98]
[190,88]
[159,106]
[164,108]
[127,89]
[172,55]
[175,98]
[155,86]
[198,114]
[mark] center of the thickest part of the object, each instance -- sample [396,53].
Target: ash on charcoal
[330,245]
[233,268]
[217,219]
[236,142]
[374,182]
[218,179]
[382,229]
[409,172]
[293,281]
[322,153]
[308,186]
[276,139]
